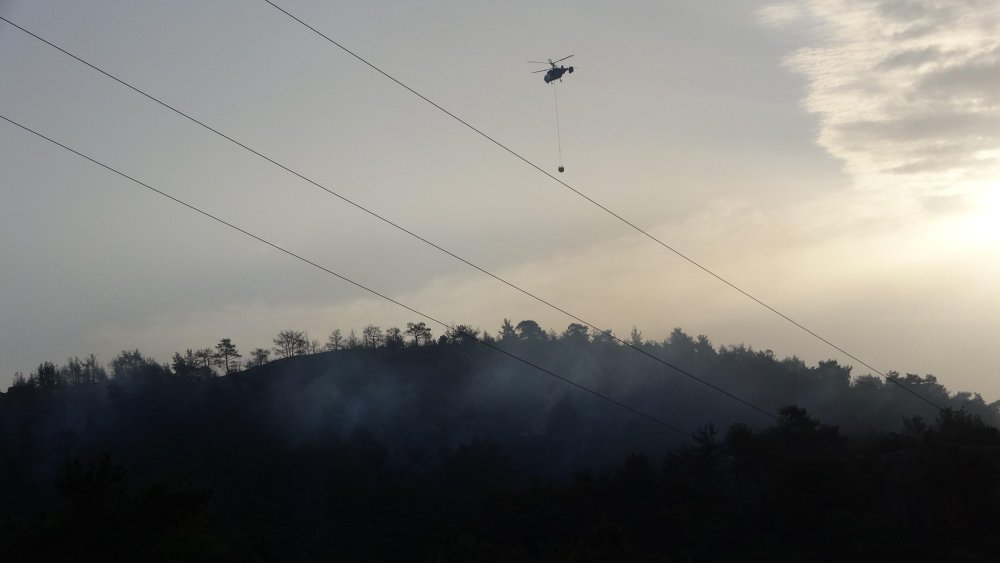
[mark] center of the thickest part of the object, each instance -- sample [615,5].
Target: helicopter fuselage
[556,73]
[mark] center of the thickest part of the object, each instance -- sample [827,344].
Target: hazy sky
[838,159]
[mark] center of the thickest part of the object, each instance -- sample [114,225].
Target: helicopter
[556,72]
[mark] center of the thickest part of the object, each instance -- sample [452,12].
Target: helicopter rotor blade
[538,62]
[562,59]
[537,71]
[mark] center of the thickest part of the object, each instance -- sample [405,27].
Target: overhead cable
[399,227]
[344,278]
[607,210]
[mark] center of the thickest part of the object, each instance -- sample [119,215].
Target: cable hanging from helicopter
[551,75]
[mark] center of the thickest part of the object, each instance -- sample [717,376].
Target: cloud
[907,92]
[976,82]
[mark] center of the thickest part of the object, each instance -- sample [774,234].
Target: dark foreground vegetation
[447,451]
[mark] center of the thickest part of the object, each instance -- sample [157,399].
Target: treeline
[394,444]
[224,357]
[756,375]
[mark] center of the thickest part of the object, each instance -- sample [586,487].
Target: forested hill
[381,427]
[439,393]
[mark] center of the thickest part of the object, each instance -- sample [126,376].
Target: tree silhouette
[226,351]
[20,382]
[353,341]
[47,376]
[290,343]
[462,333]
[372,337]
[507,331]
[703,348]
[576,333]
[131,365]
[603,337]
[206,359]
[394,338]
[335,341]
[529,330]
[258,357]
[186,365]
[635,337]
[83,372]
[419,332]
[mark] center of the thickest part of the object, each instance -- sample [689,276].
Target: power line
[605,208]
[400,227]
[217,219]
